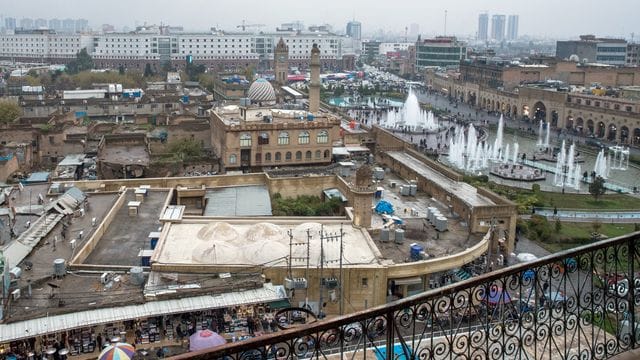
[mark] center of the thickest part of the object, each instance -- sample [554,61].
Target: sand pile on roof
[218,231]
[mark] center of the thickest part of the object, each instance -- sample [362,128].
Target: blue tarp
[497,296]
[384,207]
[399,352]
[37,177]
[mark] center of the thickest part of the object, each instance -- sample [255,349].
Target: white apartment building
[43,46]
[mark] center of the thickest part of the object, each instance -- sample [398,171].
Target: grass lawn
[577,201]
[578,234]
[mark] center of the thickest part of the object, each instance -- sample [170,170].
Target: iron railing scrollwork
[578,304]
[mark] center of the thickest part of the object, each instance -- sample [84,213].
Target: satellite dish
[574,58]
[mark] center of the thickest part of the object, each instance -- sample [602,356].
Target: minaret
[314,86]
[281,62]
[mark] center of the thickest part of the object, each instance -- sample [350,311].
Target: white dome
[261,90]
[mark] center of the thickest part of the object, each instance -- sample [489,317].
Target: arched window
[278,156]
[263,139]
[299,155]
[267,157]
[232,159]
[303,137]
[283,138]
[245,140]
[307,155]
[326,154]
[258,157]
[318,154]
[323,137]
[287,156]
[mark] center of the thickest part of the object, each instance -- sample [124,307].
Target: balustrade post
[631,254]
[390,335]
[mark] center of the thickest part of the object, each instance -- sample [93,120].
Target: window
[365,282]
[287,156]
[263,139]
[326,154]
[278,156]
[299,155]
[258,158]
[318,154]
[303,138]
[267,157]
[628,109]
[245,139]
[232,159]
[323,137]
[307,155]
[283,138]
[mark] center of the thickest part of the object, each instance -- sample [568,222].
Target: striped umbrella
[117,351]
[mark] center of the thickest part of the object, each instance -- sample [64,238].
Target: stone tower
[281,62]
[314,86]
[361,197]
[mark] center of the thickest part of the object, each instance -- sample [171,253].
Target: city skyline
[462,15]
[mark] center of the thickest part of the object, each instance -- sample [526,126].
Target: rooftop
[231,116]
[464,191]
[261,242]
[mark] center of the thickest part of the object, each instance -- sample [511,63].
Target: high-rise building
[40,24]
[82,25]
[69,25]
[26,24]
[414,30]
[10,23]
[483,27]
[441,51]
[55,24]
[354,29]
[593,49]
[512,27]
[498,23]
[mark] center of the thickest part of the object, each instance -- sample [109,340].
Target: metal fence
[576,304]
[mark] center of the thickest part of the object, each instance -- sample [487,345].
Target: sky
[539,18]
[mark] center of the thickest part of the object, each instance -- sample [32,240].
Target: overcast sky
[552,18]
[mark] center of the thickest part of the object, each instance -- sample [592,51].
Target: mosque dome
[261,91]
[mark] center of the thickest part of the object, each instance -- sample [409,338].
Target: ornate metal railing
[576,304]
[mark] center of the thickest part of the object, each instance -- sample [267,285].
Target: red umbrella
[204,339]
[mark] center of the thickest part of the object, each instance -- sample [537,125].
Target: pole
[306,272]
[341,287]
[321,288]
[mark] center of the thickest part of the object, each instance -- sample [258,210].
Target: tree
[9,111]
[82,62]
[596,188]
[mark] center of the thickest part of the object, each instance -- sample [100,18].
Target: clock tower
[281,62]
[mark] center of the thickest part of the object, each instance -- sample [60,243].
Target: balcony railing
[576,304]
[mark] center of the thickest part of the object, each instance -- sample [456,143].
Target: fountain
[515,152]
[543,144]
[601,168]
[619,157]
[567,173]
[412,117]
[497,144]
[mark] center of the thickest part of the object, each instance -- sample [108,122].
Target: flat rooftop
[463,191]
[251,200]
[124,154]
[128,234]
[262,243]
[230,115]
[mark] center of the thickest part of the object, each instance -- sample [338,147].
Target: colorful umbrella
[117,351]
[203,339]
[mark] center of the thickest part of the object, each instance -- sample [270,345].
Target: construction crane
[243,26]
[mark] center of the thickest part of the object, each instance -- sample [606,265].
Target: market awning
[280,304]
[52,324]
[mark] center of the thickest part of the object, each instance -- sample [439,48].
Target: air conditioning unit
[295,283]
[105,277]
[330,283]
[15,294]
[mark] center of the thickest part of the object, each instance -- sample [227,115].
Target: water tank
[413,189]
[59,267]
[15,273]
[405,190]
[384,235]
[441,223]
[415,252]
[137,275]
[399,236]
[378,173]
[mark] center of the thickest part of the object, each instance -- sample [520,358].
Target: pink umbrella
[203,339]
